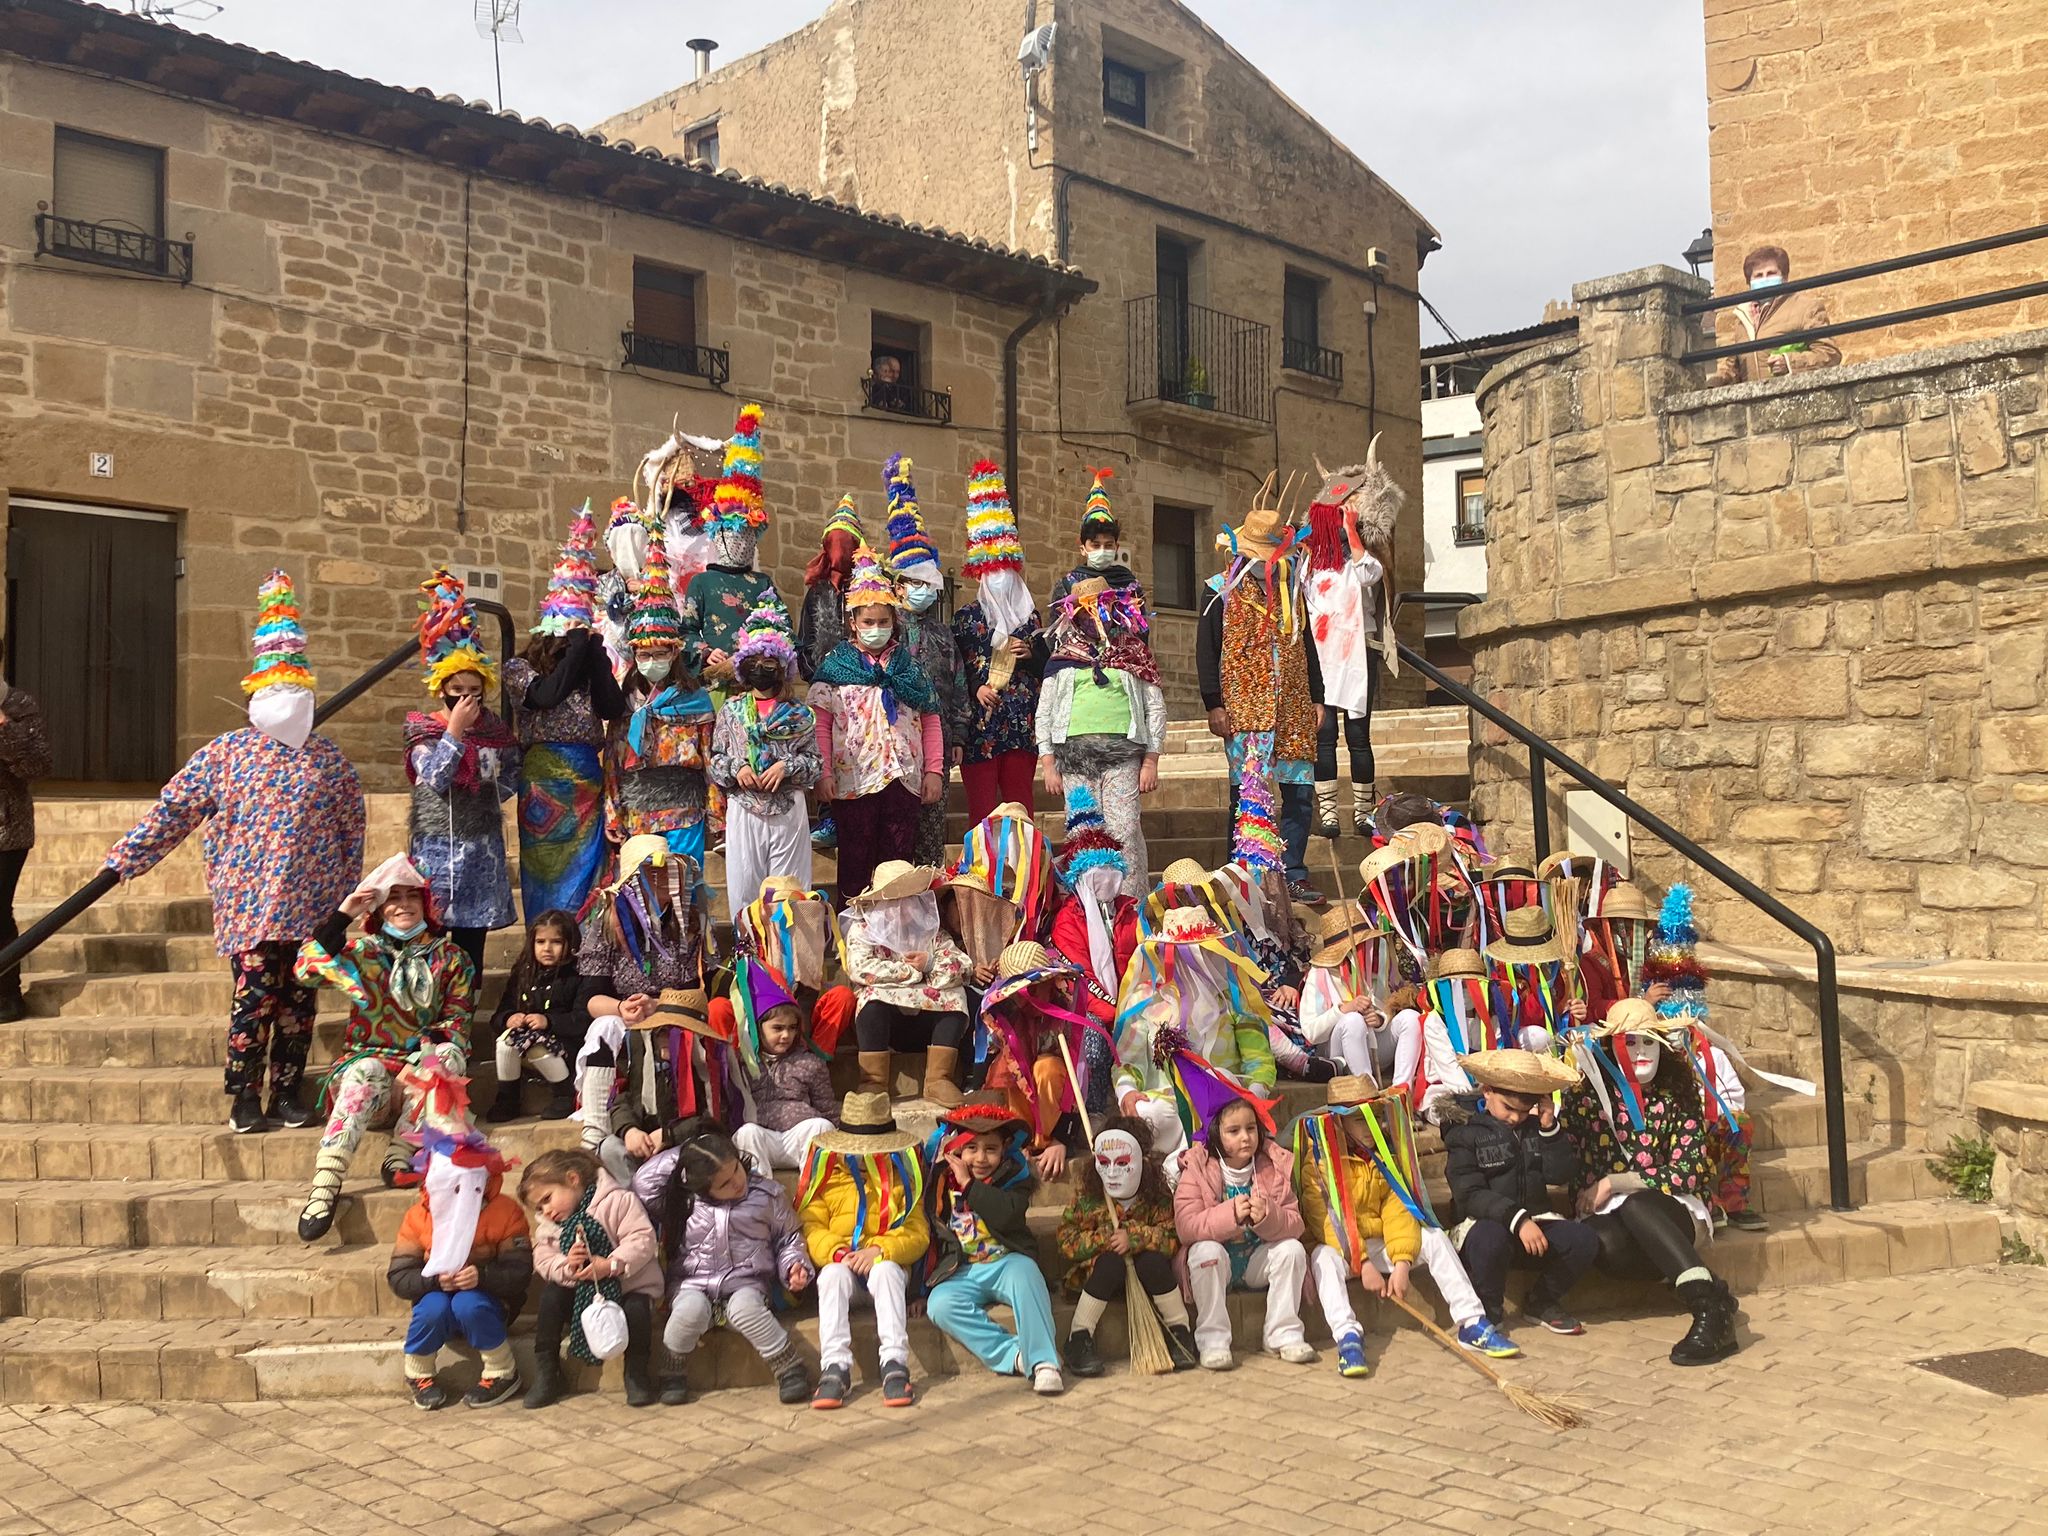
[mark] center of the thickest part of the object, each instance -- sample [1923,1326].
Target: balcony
[899,399]
[1199,366]
[1306,357]
[114,244]
[712,364]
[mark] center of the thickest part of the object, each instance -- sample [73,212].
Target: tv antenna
[499,21]
[175,10]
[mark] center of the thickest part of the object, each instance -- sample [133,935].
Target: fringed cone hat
[870,585]
[992,542]
[912,556]
[448,634]
[656,623]
[1516,1071]
[766,634]
[1089,843]
[571,599]
[845,518]
[279,645]
[1097,516]
[737,505]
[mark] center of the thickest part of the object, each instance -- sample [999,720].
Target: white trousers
[1275,1268]
[759,846]
[1168,1139]
[886,1285]
[747,1313]
[769,1150]
[1438,1257]
[1388,1056]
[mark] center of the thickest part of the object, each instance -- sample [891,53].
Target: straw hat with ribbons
[1527,938]
[1517,1071]
[866,1127]
[895,879]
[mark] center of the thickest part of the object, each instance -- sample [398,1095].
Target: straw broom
[1147,1341]
[1552,1412]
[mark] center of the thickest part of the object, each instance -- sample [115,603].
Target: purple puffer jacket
[749,1241]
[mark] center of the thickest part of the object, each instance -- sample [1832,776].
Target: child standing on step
[593,1240]
[1123,1177]
[464,1259]
[540,1018]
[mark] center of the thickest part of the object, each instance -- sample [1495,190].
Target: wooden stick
[1556,1412]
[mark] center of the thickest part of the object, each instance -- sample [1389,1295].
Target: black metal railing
[114,244]
[1307,357]
[59,916]
[642,351]
[1183,354]
[1960,248]
[1542,755]
[1469,533]
[899,399]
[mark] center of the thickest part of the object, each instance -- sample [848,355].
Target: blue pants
[959,1305]
[471,1316]
[1297,808]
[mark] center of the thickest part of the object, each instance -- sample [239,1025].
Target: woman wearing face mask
[1764,270]
[654,767]
[925,634]
[1637,1124]
[463,764]
[764,755]
[284,844]
[879,736]
[720,597]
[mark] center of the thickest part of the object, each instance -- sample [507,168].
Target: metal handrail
[1873,268]
[60,916]
[1541,753]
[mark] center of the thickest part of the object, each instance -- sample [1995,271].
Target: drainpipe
[1048,306]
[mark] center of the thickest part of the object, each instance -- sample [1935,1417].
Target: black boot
[675,1389]
[1180,1343]
[548,1382]
[641,1391]
[792,1376]
[561,1099]
[1712,1335]
[1083,1358]
[506,1105]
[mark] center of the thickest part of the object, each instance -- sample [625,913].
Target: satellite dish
[1035,52]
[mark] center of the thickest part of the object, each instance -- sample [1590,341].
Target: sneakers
[1046,1381]
[1748,1221]
[246,1115]
[288,1112]
[1557,1320]
[793,1382]
[895,1384]
[490,1391]
[834,1381]
[1302,894]
[1219,1359]
[1083,1358]
[1299,1353]
[427,1393]
[1351,1356]
[1180,1344]
[1482,1338]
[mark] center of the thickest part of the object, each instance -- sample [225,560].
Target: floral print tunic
[1011,725]
[1085,1229]
[1669,1152]
[884,977]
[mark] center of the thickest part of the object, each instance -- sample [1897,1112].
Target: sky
[1549,141]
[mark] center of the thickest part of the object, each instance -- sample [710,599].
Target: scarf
[423,729]
[1124,653]
[599,1242]
[412,983]
[785,723]
[671,706]
[896,673]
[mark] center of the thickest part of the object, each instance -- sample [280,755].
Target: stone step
[131,911]
[1796,1178]
[1783,1120]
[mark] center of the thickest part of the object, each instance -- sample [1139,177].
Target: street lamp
[1701,252]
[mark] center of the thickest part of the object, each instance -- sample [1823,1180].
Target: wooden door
[92,603]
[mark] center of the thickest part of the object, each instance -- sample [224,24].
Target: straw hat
[1260,534]
[1188,925]
[641,848]
[1341,1091]
[682,1008]
[1505,871]
[895,879]
[1631,1016]
[866,1127]
[1626,901]
[1454,964]
[1087,589]
[1424,837]
[1526,939]
[1022,966]
[1345,917]
[1183,872]
[783,888]
[1520,1071]
[1339,949]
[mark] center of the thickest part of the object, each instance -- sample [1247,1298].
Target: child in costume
[764,755]
[793,1103]
[1363,1210]
[879,732]
[983,1253]
[410,989]
[540,1018]
[914,562]
[911,978]
[592,1240]
[1102,712]
[654,767]
[563,696]
[1502,1163]
[1530,963]
[729,1239]
[1350,546]
[1459,1020]
[862,1203]
[721,598]
[1031,1008]
[284,844]
[1100,537]
[463,764]
[1236,1211]
[822,623]
[788,932]
[464,1260]
[1122,1175]
[1002,651]
[1094,929]
[1266,929]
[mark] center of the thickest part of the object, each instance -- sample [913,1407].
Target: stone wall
[1851,130]
[1804,620]
[303,401]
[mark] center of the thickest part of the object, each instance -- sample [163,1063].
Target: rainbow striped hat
[1097,508]
[912,556]
[655,622]
[736,506]
[571,600]
[766,633]
[846,519]
[869,584]
[1089,842]
[992,543]
[448,633]
[280,642]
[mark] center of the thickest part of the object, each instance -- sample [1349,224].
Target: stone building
[1848,131]
[1242,326]
[259,313]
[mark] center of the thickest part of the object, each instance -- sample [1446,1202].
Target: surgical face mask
[1119,1163]
[283,714]
[874,636]
[1101,559]
[917,596]
[405,935]
[1645,1056]
[655,668]
[1765,280]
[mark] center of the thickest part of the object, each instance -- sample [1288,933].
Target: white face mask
[1645,1056]
[875,636]
[1101,559]
[1120,1163]
[917,596]
[627,545]
[283,714]
[655,668]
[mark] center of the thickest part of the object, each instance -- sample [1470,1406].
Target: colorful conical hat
[912,556]
[845,518]
[992,543]
[1089,843]
[571,599]
[736,506]
[448,634]
[1097,508]
[279,647]
[766,633]
[869,584]
[655,621]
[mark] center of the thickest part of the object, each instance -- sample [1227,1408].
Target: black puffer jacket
[1503,1173]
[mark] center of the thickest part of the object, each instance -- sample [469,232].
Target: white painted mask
[283,714]
[1120,1163]
[1645,1056]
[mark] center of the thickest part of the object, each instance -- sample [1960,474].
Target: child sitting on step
[729,1238]
[540,1019]
[1235,1209]
[593,1240]
[464,1259]
[1124,1210]
[793,1103]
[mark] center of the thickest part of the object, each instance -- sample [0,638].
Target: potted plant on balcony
[1197,393]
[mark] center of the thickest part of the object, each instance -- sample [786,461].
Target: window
[1471,528]
[701,143]
[1123,92]
[1175,531]
[1301,329]
[108,207]
[664,333]
[895,380]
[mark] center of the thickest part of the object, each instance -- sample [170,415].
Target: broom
[1552,1412]
[1147,1342]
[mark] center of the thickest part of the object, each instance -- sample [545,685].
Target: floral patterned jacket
[1085,1228]
[883,977]
[1010,725]
[1668,1153]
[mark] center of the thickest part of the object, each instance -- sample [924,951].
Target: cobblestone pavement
[1819,1425]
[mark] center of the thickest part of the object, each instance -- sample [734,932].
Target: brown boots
[876,1072]
[941,1076]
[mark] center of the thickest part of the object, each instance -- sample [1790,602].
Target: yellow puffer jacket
[828,1218]
[1376,1209]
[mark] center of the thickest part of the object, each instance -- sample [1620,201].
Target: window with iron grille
[1123,92]
[1471,526]
[108,181]
[1301,328]
[1176,582]
[664,333]
[897,379]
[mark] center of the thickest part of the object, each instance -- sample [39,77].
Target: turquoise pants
[959,1305]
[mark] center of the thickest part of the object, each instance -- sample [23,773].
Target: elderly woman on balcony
[1764,316]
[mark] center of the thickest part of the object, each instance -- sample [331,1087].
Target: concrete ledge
[2015,1101]
[1899,365]
[1979,981]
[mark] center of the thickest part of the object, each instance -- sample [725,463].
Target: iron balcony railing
[1307,357]
[1469,533]
[643,351]
[1183,354]
[900,399]
[113,244]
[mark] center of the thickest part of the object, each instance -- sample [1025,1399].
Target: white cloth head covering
[1098,888]
[283,714]
[1005,602]
[906,926]
[396,873]
[455,1198]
